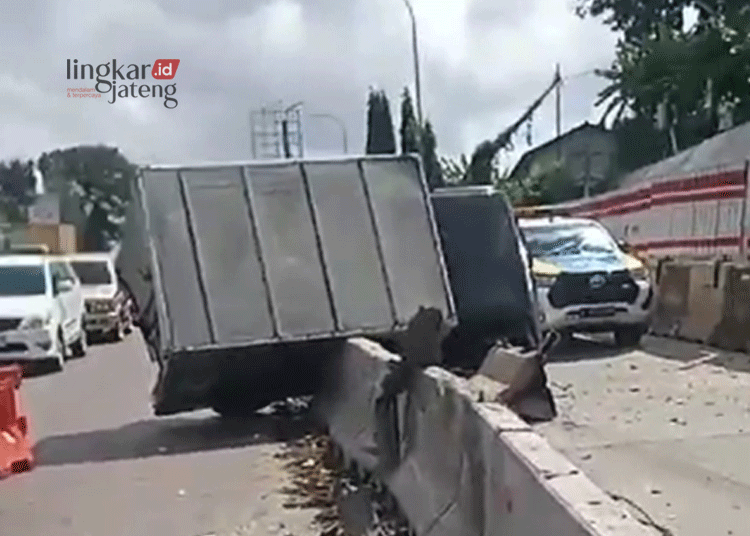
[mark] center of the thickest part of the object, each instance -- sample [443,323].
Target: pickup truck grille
[576,289]
[9,324]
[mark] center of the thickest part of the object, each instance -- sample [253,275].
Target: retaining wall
[466,468]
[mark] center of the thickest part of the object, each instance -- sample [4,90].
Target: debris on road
[347,505]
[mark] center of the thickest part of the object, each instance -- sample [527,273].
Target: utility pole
[415,52]
[558,107]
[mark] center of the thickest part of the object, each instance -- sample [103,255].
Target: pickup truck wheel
[80,347]
[118,333]
[128,329]
[58,362]
[629,337]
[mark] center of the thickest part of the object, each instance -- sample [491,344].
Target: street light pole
[341,124]
[416,61]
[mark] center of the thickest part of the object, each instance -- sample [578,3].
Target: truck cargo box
[258,255]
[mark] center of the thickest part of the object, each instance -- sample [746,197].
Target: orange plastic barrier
[16,450]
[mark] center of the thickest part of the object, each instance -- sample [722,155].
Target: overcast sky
[482,61]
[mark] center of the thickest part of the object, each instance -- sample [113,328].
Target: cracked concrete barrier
[467,468]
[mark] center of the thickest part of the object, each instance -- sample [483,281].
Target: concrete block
[503,364]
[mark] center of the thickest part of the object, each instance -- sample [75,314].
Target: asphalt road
[107,467]
[666,428]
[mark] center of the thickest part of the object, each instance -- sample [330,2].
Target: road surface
[107,467]
[666,427]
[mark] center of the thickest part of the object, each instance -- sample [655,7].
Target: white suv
[41,310]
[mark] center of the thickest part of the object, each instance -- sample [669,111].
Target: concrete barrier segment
[347,400]
[705,302]
[467,468]
[733,331]
[671,298]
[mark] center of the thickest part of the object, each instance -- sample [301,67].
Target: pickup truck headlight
[641,274]
[544,280]
[35,322]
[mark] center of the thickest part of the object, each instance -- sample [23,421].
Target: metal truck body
[247,275]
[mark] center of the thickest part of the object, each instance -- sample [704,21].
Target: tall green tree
[17,180]
[380,136]
[684,78]
[432,170]
[409,130]
[637,19]
[102,177]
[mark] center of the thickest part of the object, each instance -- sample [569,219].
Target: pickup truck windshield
[568,239]
[92,272]
[22,281]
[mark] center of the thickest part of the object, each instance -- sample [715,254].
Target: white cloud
[483,62]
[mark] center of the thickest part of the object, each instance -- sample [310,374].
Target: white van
[41,309]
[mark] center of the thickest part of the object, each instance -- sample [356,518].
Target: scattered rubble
[349,505]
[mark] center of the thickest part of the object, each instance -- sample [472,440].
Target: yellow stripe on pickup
[539,267]
[631,263]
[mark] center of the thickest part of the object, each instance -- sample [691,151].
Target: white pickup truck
[585,281]
[109,308]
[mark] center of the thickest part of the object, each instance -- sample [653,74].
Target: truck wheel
[58,362]
[80,347]
[239,409]
[629,337]
[118,333]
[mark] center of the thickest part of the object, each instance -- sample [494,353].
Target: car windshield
[22,280]
[559,240]
[92,272]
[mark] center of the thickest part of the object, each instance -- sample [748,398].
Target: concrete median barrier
[705,300]
[732,332]
[467,466]
[672,298]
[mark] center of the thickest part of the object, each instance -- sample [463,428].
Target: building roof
[727,149]
[529,155]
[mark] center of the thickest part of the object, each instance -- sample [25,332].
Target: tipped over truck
[248,277]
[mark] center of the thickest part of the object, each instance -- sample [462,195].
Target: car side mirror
[624,246]
[63,285]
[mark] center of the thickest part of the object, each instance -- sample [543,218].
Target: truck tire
[80,347]
[630,336]
[117,334]
[58,362]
